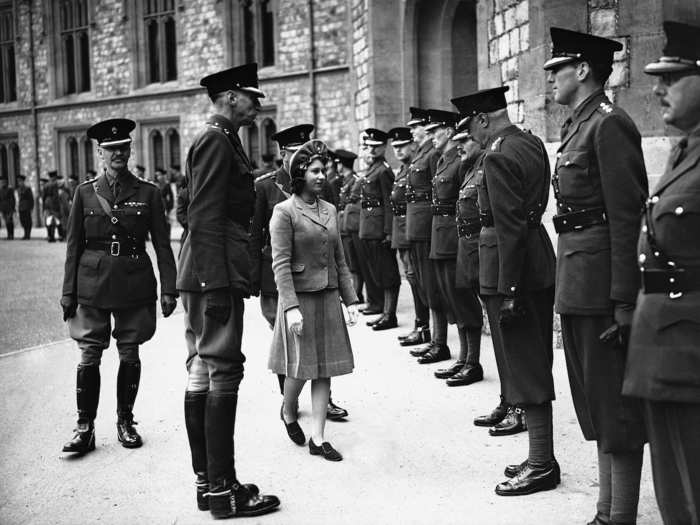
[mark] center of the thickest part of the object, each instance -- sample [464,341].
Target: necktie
[565,127]
[679,152]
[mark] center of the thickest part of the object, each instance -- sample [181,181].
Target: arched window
[251,30]
[173,147]
[8,80]
[4,168]
[14,163]
[157,150]
[267,31]
[160,40]
[74,53]
[89,156]
[73,156]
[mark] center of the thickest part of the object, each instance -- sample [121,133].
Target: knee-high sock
[539,428]
[422,315]
[474,344]
[439,327]
[626,473]
[391,299]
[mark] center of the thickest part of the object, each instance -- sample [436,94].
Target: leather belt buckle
[115,248]
[673,282]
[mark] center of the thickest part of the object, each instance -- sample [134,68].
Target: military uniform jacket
[351,212]
[376,215]
[468,212]
[515,254]
[95,277]
[419,217]
[26,199]
[7,200]
[446,182]
[270,190]
[222,197]
[599,164]
[343,199]
[663,363]
[51,203]
[398,207]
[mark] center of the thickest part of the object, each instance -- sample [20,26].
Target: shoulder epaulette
[496,144]
[147,181]
[605,107]
[265,177]
[87,182]
[386,164]
[215,125]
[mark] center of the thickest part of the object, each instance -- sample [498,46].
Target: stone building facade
[341,64]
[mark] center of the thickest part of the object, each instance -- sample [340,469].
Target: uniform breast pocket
[572,171]
[676,221]
[136,220]
[583,274]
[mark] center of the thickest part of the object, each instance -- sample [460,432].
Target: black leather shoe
[444,373]
[202,485]
[83,440]
[423,350]
[599,520]
[375,321]
[385,323]
[326,450]
[513,470]
[495,417]
[334,412]
[417,337]
[372,310]
[126,433]
[251,503]
[437,354]
[530,480]
[512,424]
[466,376]
[294,431]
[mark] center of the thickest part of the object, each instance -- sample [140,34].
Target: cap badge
[114,130]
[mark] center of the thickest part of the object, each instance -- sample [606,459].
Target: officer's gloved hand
[69,305]
[619,332]
[511,310]
[387,239]
[218,304]
[167,304]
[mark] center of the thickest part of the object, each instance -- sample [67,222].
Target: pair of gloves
[70,305]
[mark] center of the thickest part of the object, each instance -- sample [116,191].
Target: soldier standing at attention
[404,150]
[26,205]
[51,207]
[108,274]
[516,278]
[600,185]
[663,364]
[419,220]
[376,219]
[214,278]
[271,189]
[7,207]
[346,163]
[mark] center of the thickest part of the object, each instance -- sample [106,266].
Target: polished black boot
[375,321]
[419,336]
[416,326]
[385,323]
[531,479]
[127,387]
[423,350]
[437,353]
[467,375]
[444,373]
[495,417]
[513,470]
[513,423]
[88,396]
[334,412]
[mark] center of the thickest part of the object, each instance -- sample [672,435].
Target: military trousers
[525,347]
[268,307]
[596,371]
[382,264]
[25,219]
[461,305]
[91,327]
[350,253]
[214,356]
[425,274]
[673,430]
[8,218]
[375,296]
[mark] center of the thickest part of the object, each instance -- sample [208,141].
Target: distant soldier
[345,166]
[108,274]
[65,199]
[51,207]
[663,364]
[7,207]
[600,185]
[376,219]
[26,205]
[214,279]
[516,278]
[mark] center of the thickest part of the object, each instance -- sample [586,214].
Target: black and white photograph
[340,262]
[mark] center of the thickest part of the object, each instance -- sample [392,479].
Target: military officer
[516,277]
[600,185]
[7,207]
[25,206]
[214,278]
[51,206]
[663,364]
[466,369]
[346,162]
[271,189]
[334,180]
[108,274]
[419,221]
[404,149]
[376,219]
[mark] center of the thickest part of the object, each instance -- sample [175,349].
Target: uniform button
[642,257]
[644,228]
[512,288]
[567,163]
[558,155]
[115,206]
[114,236]
[656,254]
[655,199]
[671,280]
[679,210]
[203,284]
[138,213]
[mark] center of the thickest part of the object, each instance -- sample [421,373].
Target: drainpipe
[312,65]
[35,119]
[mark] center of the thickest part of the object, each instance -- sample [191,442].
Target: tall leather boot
[195,404]
[87,390]
[127,387]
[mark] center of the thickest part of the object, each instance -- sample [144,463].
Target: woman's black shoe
[294,431]
[326,450]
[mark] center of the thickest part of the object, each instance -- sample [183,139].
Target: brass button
[642,257]
[679,210]
[644,228]
[655,199]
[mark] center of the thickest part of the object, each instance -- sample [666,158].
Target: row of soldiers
[464,212]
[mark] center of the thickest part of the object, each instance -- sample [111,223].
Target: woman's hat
[305,155]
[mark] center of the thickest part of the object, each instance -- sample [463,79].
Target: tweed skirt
[323,349]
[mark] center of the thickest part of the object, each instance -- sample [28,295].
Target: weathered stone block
[603,22]
[498,24]
[514,39]
[620,75]
[509,19]
[503,47]
[524,37]
[522,12]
